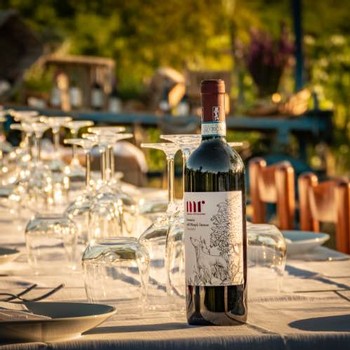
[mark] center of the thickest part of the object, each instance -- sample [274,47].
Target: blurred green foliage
[142,35]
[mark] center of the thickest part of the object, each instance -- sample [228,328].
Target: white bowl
[67,321]
[300,242]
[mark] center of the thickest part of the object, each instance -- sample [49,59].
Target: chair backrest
[327,201]
[272,184]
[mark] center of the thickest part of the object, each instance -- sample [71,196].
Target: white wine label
[214,128]
[214,238]
[96,98]
[75,96]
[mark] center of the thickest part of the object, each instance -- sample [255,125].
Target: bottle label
[55,97]
[213,128]
[96,98]
[75,97]
[214,238]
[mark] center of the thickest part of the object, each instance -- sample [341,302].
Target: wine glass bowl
[266,257]
[51,243]
[116,273]
[55,123]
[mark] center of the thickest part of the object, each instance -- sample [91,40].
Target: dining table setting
[90,261]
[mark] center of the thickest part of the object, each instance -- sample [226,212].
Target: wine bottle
[75,95]
[97,95]
[215,223]
[114,101]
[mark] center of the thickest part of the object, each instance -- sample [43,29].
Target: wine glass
[74,170]
[110,214]
[55,123]
[111,132]
[79,209]
[170,151]
[38,175]
[155,236]
[24,118]
[186,142]
[106,140]
[116,272]
[8,173]
[175,264]
[266,258]
[51,243]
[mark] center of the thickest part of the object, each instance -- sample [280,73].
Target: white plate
[300,242]
[8,255]
[68,321]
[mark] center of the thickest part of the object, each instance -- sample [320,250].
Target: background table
[311,310]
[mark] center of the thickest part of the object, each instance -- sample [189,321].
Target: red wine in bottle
[215,222]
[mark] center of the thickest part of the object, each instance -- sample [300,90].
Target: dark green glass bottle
[215,221]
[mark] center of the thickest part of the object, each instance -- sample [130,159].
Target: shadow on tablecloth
[338,323]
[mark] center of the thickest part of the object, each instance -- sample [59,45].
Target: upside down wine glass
[79,209]
[110,132]
[186,142]
[170,150]
[154,238]
[110,215]
[112,135]
[74,170]
[39,176]
[174,256]
[55,123]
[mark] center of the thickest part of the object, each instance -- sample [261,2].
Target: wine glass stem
[56,139]
[37,149]
[112,161]
[88,169]
[170,173]
[30,145]
[75,159]
[103,166]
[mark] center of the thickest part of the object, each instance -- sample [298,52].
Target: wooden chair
[327,201]
[272,184]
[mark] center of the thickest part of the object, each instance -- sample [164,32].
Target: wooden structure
[327,201]
[272,184]
[84,70]
[168,80]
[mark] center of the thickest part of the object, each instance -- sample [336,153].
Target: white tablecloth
[312,310]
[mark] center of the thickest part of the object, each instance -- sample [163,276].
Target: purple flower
[267,57]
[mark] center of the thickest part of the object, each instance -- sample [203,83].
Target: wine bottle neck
[213,115]
[213,137]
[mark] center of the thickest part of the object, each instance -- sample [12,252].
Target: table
[312,310]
